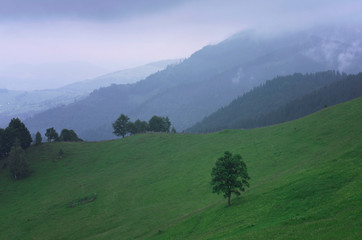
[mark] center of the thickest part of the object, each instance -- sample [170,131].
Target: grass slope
[306,184]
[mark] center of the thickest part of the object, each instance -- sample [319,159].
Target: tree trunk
[229,200]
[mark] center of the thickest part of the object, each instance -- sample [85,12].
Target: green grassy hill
[306,183]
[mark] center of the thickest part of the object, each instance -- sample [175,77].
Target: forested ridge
[283,99]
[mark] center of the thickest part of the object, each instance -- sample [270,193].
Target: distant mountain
[209,79]
[48,75]
[126,76]
[25,104]
[283,99]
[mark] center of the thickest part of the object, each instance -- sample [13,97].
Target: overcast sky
[39,38]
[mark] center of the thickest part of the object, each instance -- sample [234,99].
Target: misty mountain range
[209,79]
[25,104]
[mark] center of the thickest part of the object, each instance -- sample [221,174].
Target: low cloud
[119,34]
[94,10]
[345,59]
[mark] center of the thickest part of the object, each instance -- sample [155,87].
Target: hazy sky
[50,43]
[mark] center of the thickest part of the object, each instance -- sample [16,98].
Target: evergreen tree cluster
[283,99]
[15,132]
[16,138]
[13,140]
[335,93]
[123,126]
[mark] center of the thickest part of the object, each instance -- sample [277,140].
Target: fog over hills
[209,79]
[25,104]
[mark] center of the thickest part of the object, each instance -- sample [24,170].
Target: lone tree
[120,126]
[52,134]
[229,175]
[68,135]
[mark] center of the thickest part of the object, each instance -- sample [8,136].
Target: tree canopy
[52,134]
[141,126]
[120,126]
[123,126]
[15,130]
[159,124]
[38,138]
[229,175]
[67,135]
[18,130]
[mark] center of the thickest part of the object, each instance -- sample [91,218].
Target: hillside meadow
[306,183]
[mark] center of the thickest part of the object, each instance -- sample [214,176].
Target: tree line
[66,135]
[16,138]
[123,126]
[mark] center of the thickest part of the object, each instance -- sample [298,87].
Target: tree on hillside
[51,134]
[67,135]
[120,126]
[131,128]
[159,124]
[229,175]
[16,161]
[141,126]
[17,129]
[38,138]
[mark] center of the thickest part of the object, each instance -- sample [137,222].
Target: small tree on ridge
[51,134]
[38,138]
[120,126]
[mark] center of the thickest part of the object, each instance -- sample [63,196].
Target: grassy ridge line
[153,182]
